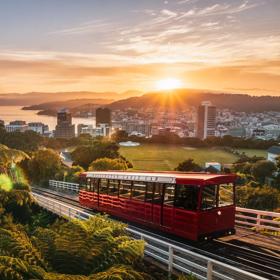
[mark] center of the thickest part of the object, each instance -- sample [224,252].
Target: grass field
[163,157]
[253,152]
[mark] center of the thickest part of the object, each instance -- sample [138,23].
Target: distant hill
[67,104]
[49,103]
[32,98]
[179,99]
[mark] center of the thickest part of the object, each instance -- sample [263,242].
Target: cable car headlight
[219,213]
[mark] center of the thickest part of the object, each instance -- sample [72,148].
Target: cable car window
[113,187]
[93,185]
[209,197]
[158,193]
[186,197]
[149,192]
[103,186]
[226,194]
[139,190]
[125,189]
[88,184]
[169,194]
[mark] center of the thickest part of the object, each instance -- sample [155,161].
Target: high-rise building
[64,127]
[103,116]
[206,120]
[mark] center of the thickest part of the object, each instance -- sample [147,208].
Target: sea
[13,113]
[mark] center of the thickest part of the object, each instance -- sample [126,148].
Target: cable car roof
[164,177]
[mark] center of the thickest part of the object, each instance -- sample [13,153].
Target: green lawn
[254,152]
[164,157]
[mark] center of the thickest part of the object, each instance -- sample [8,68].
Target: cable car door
[157,204]
[168,206]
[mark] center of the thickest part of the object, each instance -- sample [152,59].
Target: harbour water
[12,113]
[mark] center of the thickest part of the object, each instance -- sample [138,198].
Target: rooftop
[274,150]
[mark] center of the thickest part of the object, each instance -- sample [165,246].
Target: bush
[261,198]
[188,165]
[21,186]
[104,164]
[262,169]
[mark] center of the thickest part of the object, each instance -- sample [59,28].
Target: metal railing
[173,257]
[251,218]
[257,219]
[64,185]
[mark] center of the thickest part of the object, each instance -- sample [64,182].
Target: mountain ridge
[181,98]
[176,99]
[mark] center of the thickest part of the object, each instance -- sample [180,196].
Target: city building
[237,132]
[258,133]
[206,120]
[103,116]
[137,128]
[272,131]
[272,153]
[17,126]
[2,123]
[80,128]
[38,127]
[103,130]
[64,127]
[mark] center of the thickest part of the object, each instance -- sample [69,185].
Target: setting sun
[167,84]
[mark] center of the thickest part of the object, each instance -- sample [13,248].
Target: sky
[120,45]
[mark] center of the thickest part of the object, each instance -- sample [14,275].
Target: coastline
[12,113]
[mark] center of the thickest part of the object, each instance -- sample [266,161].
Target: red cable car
[196,206]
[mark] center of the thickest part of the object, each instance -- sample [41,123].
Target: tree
[15,198]
[72,174]
[262,169]
[262,198]
[188,165]
[104,164]
[244,167]
[119,136]
[277,181]
[86,154]
[44,165]
[26,141]
[9,157]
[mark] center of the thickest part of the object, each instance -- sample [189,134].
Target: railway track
[251,260]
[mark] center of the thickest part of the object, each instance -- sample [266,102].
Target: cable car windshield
[214,196]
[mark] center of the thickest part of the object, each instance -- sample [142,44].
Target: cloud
[210,24]
[220,9]
[241,77]
[56,72]
[185,1]
[168,13]
[196,37]
[95,26]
